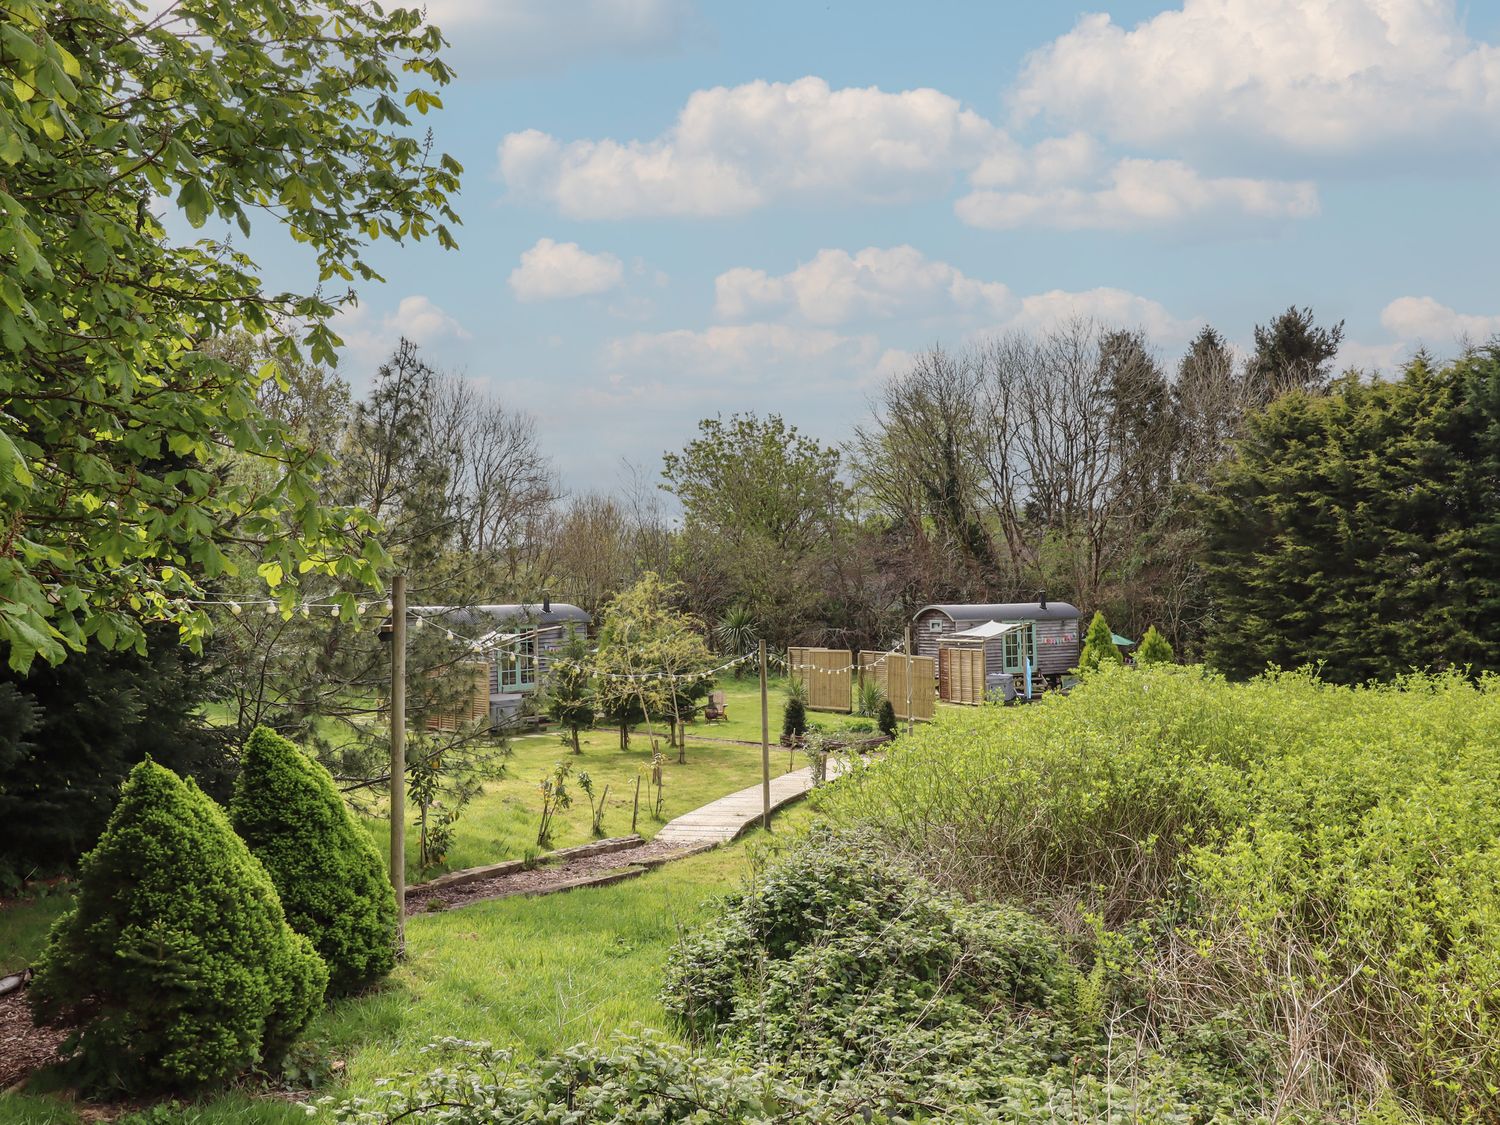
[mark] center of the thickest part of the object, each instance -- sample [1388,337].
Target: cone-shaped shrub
[887,719]
[793,722]
[1154,648]
[1099,645]
[331,880]
[176,959]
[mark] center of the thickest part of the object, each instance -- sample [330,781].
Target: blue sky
[673,209]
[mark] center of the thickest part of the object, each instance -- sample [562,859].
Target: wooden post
[398,755]
[765,744]
[909,667]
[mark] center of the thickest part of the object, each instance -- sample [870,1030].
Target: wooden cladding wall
[891,671]
[961,673]
[472,706]
[827,674]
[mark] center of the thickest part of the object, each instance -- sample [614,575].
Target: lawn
[535,974]
[502,822]
[743,700]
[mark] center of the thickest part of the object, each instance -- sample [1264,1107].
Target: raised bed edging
[492,870]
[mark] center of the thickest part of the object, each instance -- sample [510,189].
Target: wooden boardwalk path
[719,822]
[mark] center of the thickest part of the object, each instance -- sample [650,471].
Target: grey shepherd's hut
[514,646]
[970,644]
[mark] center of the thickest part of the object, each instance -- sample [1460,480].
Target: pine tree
[1154,648]
[88,721]
[176,955]
[331,879]
[1099,645]
[570,696]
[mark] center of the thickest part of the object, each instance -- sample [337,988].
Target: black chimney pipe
[546,602]
[1041,598]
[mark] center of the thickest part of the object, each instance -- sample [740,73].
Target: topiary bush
[793,722]
[331,879]
[887,720]
[176,960]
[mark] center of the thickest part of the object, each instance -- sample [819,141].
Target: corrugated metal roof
[964,615]
[525,613]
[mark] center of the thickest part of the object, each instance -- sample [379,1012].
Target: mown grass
[534,974]
[501,823]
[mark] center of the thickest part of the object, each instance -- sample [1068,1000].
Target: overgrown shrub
[850,971]
[331,880]
[176,960]
[1319,861]
[793,722]
[629,1080]
[887,721]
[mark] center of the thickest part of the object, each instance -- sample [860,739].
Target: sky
[679,208]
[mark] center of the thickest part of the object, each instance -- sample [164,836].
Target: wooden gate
[827,674]
[961,674]
[891,670]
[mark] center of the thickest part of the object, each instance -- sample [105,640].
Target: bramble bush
[331,880]
[176,961]
[1317,865]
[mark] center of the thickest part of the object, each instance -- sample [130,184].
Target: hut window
[935,625]
[518,665]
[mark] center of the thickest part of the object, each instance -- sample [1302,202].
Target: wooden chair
[716,710]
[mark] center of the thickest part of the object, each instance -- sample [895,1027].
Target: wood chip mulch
[24,1047]
[541,880]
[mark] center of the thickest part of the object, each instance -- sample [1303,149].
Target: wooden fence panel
[961,674]
[828,676]
[891,671]
[472,678]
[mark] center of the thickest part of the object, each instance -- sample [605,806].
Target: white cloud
[1328,76]
[1422,320]
[837,287]
[552,270]
[1112,308]
[505,38]
[728,351]
[733,149]
[1140,193]
[368,340]
[1415,324]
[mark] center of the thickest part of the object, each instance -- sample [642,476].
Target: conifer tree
[793,722]
[1154,648]
[570,694]
[331,879]
[176,958]
[1099,645]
